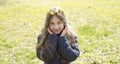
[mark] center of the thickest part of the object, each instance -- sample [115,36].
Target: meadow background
[96,22]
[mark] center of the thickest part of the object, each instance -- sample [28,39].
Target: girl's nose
[56,26]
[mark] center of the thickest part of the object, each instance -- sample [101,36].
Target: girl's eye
[51,23]
[59,22]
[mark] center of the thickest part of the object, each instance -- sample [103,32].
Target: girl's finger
[49,31]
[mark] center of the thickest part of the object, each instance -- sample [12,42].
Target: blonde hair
[44,33]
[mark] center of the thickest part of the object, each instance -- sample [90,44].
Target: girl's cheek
[52,27]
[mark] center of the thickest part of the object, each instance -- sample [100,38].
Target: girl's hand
[64,31]
[50,31]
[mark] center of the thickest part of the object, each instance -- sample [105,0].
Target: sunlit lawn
[97,24]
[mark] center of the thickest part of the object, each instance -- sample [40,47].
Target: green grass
[97,24]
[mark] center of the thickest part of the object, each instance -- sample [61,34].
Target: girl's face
[56,25]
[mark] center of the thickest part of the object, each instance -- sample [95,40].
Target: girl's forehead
[55,19]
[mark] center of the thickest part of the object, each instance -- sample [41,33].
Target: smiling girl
[57,43]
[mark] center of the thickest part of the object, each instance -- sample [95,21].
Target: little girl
[57,43]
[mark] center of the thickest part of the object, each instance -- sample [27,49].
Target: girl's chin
[56,32]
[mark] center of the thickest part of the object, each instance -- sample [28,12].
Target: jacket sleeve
[46,56]
[68,52]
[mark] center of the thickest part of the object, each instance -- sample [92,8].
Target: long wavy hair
[44,33]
